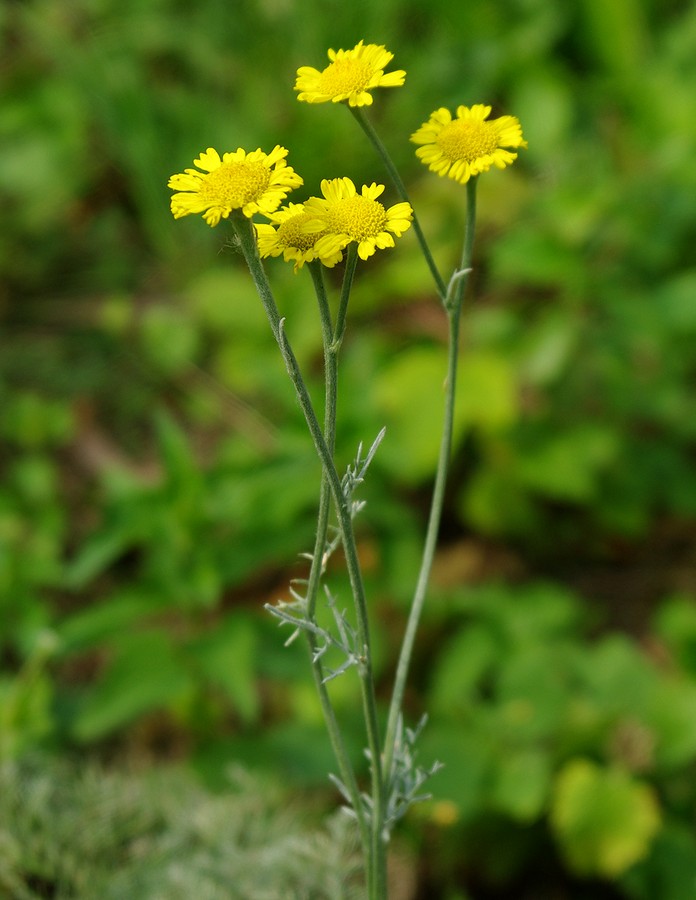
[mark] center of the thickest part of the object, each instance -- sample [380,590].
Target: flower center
[358,217]
[235,184]
[467,139]
[344,76]
[290,234]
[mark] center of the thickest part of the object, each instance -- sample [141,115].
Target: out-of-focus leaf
[145,674]
[670,871]
[604,820]
[521,784]
[227,658]
[407,392]
[567,466]
[94,624]
[671,713]
[467,764]
[460,665]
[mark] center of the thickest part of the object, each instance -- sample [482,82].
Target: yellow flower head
[349,216]
[350,76]
[295,233]
[253,182]
[467,145]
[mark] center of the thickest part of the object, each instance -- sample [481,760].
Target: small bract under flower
[348,216]
[253,182]
[350,76]
[295,233]
[467,145]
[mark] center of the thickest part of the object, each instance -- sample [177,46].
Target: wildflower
[295,236]
[349,216]
[467,145]
[253,182]
[350,76]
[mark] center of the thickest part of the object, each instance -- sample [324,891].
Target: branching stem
[376,849]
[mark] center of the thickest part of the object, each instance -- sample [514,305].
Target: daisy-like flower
[294,233]
[467,145]
[348,216]
[253,182]
[350,76]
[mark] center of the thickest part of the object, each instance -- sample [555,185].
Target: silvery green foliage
[87,834]
[294,612]
[404,782]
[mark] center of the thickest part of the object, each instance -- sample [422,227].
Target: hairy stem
[453,306]
[377,850]
[376,142]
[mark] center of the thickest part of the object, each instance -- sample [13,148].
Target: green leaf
[675,623]
[98,553]
[486,391]
[670,871]
[618,676]
[495,503]
[532,692]
[169,338]
[671,713]
[145,674]
[227,657]
[177,455]
[566,466]
[94,624]
[410,395]
[467,760]
[459,667]
[603,819]
[521,784]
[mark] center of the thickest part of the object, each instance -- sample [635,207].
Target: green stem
[330,399]
[453,306]
[376,142]
[377,858]
[317,567]
[376,853]
[348,275]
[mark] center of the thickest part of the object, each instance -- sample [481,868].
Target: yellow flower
[349,216]
[467,145]
[253,182]
[295,236]
[350,76]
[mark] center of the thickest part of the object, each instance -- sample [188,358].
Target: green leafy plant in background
[574,414]
[586,742]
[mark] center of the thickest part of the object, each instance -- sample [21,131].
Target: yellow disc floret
[294,233]
[468,144]
[253,182]
[351,75]
[351,217]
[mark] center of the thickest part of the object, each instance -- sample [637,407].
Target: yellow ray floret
[467,145]
[253,182]
[348,216]
[351,75]
[294,234]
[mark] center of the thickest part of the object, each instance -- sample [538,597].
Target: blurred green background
[158,486]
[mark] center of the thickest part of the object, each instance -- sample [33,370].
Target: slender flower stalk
[348,275]
[453,306]
[382,151]
[317,565]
